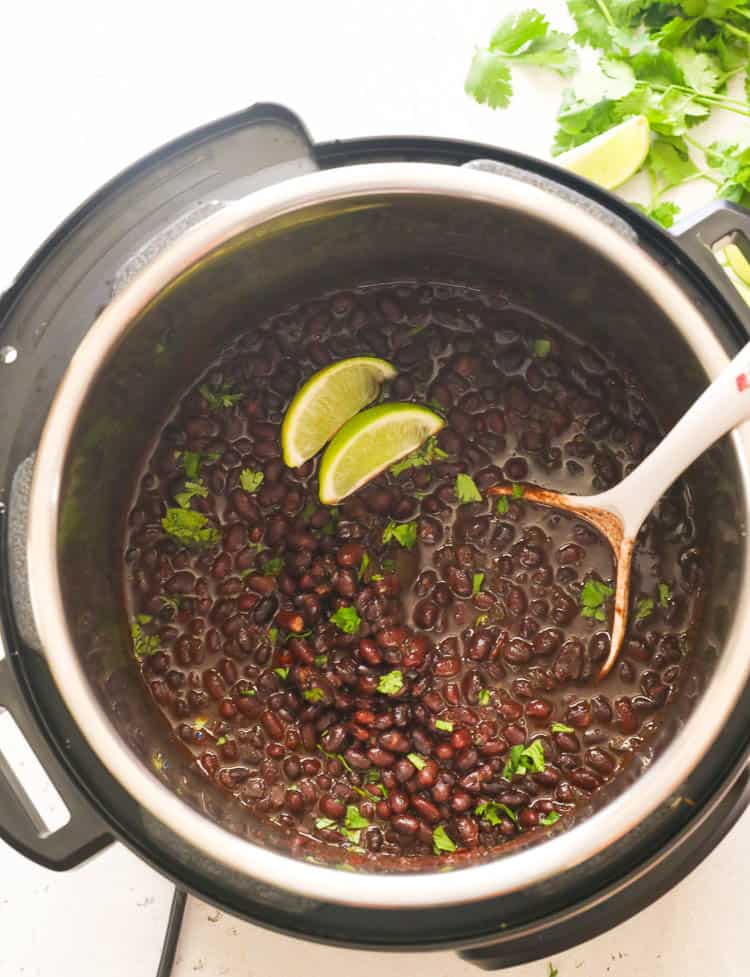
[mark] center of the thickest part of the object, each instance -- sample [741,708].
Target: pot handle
[21,825]
[700,232]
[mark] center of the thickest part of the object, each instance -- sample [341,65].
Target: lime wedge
[742,285]
[613,157]
[326,401]
[738,262]
[369,443]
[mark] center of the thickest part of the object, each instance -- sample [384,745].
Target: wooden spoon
[619,512]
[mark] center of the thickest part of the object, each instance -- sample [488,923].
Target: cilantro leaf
[272,567]
[191,489]
[518,29]
[502,505]
[219,398]
[416,760]
[484,697]
[549,818]
[665,594]
[663,213]
[542,348]
[312,695]
[347,620]
[391,683]
[444,724]
[325,823]
[144,644]
[491,812]
[282,673]
[524,759]
[670,163]
[405,533]
[489,80]
[466,489]
[189,527]
[644,607]
[425,455]
[250,480]
[516,490]
[593,597]
[321,661]
[354,820]
[561,728]
[191,462]
[363,565]
[441,842]
[476,583]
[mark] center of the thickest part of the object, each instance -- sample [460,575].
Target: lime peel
[611,158]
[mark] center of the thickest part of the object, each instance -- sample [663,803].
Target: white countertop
[90,87]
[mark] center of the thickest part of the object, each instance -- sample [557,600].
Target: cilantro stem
[694,142]
[719,101]
[736,31]
[605,12]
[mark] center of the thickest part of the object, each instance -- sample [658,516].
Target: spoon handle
[721,407]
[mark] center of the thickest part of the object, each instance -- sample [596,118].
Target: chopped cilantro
[516,490]
[221,741]
[665,594]
[644,608]
[248,692]
[480,620]
[492,811]
[524,759]
[273,634]
[466,489]
[170,604]
[416,760]
[191,462]
[321,660]
[281,672]
[391,683]
[444,725]
[312,695]
[484,697]
[542,348]
[593,596]
[220,398]
[405,533]
[561,728]
[441,842]
[143,644]
[425,455]
[476,583]
[189,527]
[502,505]
[250,480]
[388,565]
[354,819]
[347,620]
[363,565]
[549,818]
[272,567]
[191,489]
[325,823]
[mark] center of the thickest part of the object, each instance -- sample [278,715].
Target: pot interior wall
[299,256]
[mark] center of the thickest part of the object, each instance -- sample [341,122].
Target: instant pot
[126,303]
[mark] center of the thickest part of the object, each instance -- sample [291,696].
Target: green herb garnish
[245,693]
[273,633]
[388,565]
[170,604]
[281,672]
[665,594]
[524,759]
[326,823]
[221,741]
[405,533]
[416,760]
[550,818]
[491,812]
[313,695]
[391,683]
[466,489]
[363,565]
[321,660]
[441,841]
[354,820]
[561,728]
[476,583]
[593,596]
[189,527]
[516,490]
[484,697]
[220,398]
[272,567]
[347,620]
[502,505]
[191,489]
[444,725]
[191,462]
[251,481]
[425,455]
[144,644]
[542,348]
[480,620]
[644,608]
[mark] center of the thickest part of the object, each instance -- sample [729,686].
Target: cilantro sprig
[593,598]
[524,759]
[429,452]
[405,534]
[189,527]
[144,644]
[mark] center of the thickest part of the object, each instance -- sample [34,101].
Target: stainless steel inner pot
[339,228]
